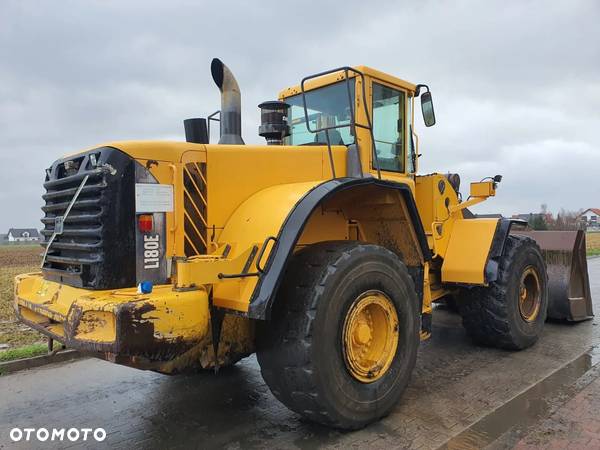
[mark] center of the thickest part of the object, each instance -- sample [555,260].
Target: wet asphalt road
[454,387]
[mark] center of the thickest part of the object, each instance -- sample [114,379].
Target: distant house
[590,219]
[23,235]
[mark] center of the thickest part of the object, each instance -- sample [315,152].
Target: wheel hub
[370,336]
[530,298]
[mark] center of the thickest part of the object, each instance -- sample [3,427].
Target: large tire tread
[287,368]
[485,311]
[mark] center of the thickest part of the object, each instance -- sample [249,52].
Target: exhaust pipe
[231,103]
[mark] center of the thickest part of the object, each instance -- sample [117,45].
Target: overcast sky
[516,85]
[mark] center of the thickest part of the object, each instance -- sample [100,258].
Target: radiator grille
[194,202]
[84,254]
[81,241]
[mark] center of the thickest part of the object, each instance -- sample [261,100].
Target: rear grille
[85,254]
[81,242]
[194,202]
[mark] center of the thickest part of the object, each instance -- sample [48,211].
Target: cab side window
[388,127]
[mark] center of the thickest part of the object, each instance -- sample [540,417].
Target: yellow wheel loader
[321,251]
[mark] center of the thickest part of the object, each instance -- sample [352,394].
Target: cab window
[388,127]
[327,106]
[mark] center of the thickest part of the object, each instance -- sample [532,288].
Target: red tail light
[145,223]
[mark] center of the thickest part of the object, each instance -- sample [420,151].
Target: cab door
[389,124]
[391,133]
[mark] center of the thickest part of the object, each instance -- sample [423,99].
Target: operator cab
[328,109]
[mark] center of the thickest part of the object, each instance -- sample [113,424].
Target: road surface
[460,395]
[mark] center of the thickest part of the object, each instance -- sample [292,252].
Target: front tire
[510,312]
[343,335]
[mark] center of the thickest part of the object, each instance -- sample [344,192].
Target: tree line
[563,221]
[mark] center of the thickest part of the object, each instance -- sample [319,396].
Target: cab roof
[337,76]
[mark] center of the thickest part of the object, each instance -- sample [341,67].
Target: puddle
[525,409]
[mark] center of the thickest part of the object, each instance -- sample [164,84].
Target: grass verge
[27,351]
[12,332]
[592,244]
[14,260]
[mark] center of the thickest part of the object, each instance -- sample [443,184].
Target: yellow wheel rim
[530,298]
[370,336]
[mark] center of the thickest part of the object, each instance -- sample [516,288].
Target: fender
[497,248]
[474,250]
[263,295]
[255,220]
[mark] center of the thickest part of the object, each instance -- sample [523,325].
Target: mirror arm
[419,87]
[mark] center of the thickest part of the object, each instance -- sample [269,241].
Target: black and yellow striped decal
[194,203]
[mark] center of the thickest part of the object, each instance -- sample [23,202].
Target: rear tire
[504,314]
[302,350]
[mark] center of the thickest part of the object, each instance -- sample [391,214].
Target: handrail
[353,123]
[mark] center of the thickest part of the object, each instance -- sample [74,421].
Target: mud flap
[569,296]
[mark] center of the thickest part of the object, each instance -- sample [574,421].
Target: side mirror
[427,109]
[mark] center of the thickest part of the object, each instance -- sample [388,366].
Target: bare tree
[566,220]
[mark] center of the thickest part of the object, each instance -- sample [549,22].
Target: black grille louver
[96,248]
[194,204]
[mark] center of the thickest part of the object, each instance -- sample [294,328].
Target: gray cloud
[516,84]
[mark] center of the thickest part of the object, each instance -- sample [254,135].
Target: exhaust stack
[231,103]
